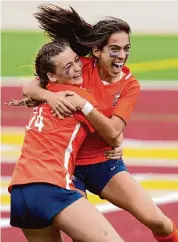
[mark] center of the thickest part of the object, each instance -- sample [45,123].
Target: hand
[115,153]
[60,105]
[77,101]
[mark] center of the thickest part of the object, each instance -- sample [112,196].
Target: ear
[96,52]
[51,77]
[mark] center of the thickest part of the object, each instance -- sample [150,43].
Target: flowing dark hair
[61,23]
[67,23]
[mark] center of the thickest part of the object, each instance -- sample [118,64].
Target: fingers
[114,157]
[60,105]
[63,109]
[56,113]
[114,153]
[69,106]
[60,109]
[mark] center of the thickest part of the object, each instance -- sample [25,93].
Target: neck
[106,77]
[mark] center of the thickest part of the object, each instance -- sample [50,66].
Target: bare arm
[57,101]
[111,128]
[108,129]
[34,90]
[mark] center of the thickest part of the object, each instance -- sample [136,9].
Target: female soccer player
[43,197]
[109,43]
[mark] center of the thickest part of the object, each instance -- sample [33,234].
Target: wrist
[81,103]
[84,101]
[45,95]
[87,108]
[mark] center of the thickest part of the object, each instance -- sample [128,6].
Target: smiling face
[68,68]
[113,56]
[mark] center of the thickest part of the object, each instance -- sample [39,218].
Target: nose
[77,67]
[122,54]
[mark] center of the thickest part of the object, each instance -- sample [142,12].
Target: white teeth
[77,76]
[118,64]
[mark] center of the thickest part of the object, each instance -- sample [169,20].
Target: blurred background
[151,137]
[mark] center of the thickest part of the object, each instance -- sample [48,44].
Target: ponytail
[62,23]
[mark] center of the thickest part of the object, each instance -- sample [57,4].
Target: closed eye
[77,59]
[67,67]
[114,49]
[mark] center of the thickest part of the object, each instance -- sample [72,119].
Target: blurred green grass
[19,50]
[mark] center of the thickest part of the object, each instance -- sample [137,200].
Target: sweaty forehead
[119,39]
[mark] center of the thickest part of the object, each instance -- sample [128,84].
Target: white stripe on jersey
[67,154]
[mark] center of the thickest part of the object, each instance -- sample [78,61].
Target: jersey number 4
[37,119]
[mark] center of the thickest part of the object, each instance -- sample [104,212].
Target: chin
[78,83]
[114,74]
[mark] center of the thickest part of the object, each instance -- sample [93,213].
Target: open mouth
[117,66]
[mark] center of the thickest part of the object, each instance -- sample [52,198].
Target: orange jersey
[50,145]
[117,99]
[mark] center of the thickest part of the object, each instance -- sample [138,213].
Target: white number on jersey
[37,118]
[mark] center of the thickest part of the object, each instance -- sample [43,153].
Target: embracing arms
[111,128]
[57,101]
[64,103]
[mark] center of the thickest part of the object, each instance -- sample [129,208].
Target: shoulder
[60,87]
[84,93]
[87,61]
[129,79]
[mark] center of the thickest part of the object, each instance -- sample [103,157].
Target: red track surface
[126,225]
[161,118]
[157,110]
[7,169]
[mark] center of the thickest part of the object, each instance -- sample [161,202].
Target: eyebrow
[117,46]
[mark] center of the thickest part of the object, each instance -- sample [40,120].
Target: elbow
[25,91]
[113,139]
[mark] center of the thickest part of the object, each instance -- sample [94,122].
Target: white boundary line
[139,177]
[106,208]
[145,84]
[169,198]
[147,144]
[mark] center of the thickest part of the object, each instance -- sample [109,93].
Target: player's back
[50,147]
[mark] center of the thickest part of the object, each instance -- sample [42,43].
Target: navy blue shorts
[34,205]
[95,177]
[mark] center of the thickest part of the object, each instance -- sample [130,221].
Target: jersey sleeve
[82,119]
[127,101]
[88,96]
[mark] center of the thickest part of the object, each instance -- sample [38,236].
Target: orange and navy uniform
[50,145]
[117,98]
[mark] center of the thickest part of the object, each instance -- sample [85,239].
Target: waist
[88,157]
[49,171]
